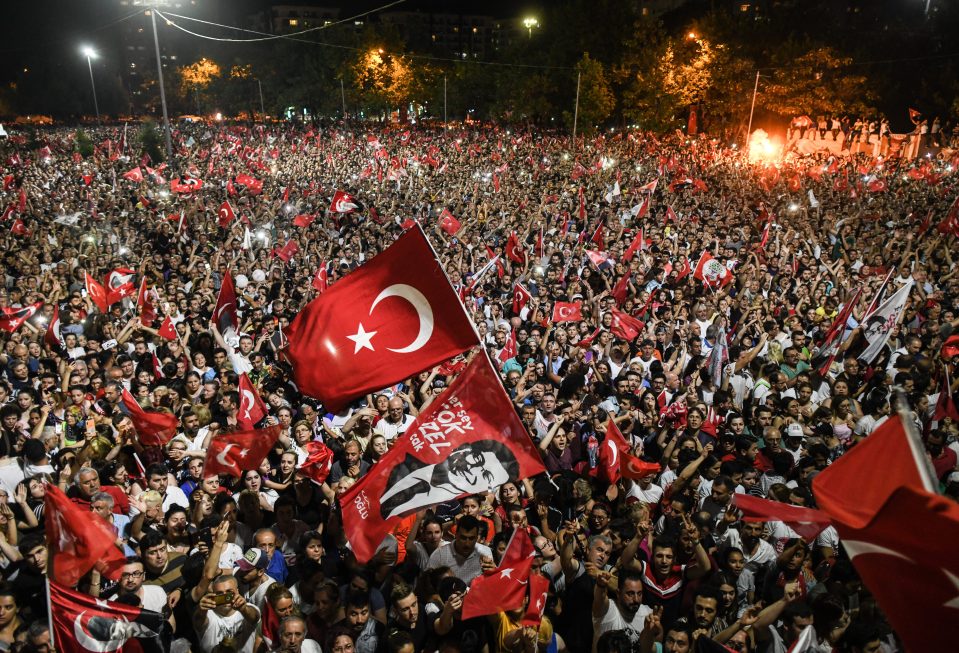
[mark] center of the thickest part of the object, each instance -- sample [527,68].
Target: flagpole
[751,109]
[445,121]
[343,99]
[46,581]
[576,108]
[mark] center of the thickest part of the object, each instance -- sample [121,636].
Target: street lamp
[90,53]
[154,5]
[529,23]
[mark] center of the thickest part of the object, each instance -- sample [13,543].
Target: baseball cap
[252,559]
[794,431]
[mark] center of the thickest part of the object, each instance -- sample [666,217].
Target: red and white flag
[185,184]
[597,258]
[506,588]
[85,624]
[621,289]
[321,280]
[79,540]
[514,250]
[97,293]
[567,312]
[119,284]
[650,187]
[167,331]
[12,318]
[468,440]
[252,409]
[387,320]
[638,244]
[616,461]
[343,202]
[231,453]
[146,305]
[225,215]
[318,463]
[153,428]
[224,313]
[304,220]
[625,326]
[521,297]
[449,223]
[135,175]
[808,522]
[878,326]
[712,272]
[53,338]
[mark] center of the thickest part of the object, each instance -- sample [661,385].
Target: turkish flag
[597,258]
[638,243]
[252,409]
[950,348]
[505,588]
[906,556]
[321,280]
[224,313]
[538,593]
[231,453]
[7,213]
[513,250]
[84,624]
[808,522]
[946,404]
[581,212]
[670,216]
[153,428]
[19,228]
[621,289]
[12,318]
[52,337]
[167,331]
[684,269]
[448,223]
[650,187]
[509,349]
[567,312]
[98,295]
[225,215]
[304,220]
[288,251]
[597,237]
[185,184]
[145,305]
[625,326]
[22,202]
[386,321]
[712,272]
[617,462]
[230,188]
[244,179]
[468,440]
[319,461]
[588,340]
[119,284]
[8,182]
[521,297]
[343,202]
[79,540]
[876,186]
[135,175]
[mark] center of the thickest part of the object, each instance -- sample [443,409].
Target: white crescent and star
[615,452]
[219,313]
[249,400]
[362,339]
[221,457]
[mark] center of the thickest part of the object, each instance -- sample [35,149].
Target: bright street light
[90,53]
[529,23]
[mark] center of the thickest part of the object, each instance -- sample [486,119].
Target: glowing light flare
[762,148]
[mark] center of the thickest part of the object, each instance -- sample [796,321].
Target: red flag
[98,294]
[53,337]
[538,593]
[617,461]
[19,228]
[521,297]
[625,326]
[597,258]
[670,216]
[343,203]
[185,184]
[448,223]
[582,203]
[639,243]
[650,187]
[505,588]
[231,453]
[448,452]
[243,179]
[84,624]
[945,404]
[711,272]
[157,366]
[225,215]
[230,188]
[153,428]
[288,251]
[621,289]
[588,340]
[513,250]
[495,183]
[877,186]
[119,284]
[319,461]
[145,305]
[79,540]
[950,348]
[304,220]
[22,204]
[914,115]
[135,175]
[321,280]
[7,213]
[806,521]
[389,319]
[567,312]
[224,313]
[597,237]
[252,409]
[8,182]
[12,318]
[167,331]
[509,350]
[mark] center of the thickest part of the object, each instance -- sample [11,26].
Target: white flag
[813,202]
[878,325]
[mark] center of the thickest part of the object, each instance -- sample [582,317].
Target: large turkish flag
[388,320]
[469,440]
[231,453]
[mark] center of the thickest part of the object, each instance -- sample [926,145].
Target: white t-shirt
[650,495]
[613,620]
[235,627]
[154,598]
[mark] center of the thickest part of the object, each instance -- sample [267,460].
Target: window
[294,22]
[744,7]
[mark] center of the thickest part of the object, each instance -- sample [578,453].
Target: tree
[195,79]
[818,81]
[644,99]
[596,100]
[151,140]
[83,143]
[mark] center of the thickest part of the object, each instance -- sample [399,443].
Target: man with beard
[626,613]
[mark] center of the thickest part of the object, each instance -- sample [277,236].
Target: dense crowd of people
[650,564]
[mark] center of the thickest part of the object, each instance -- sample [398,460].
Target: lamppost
[90,53]
[529,23]
[154,5]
